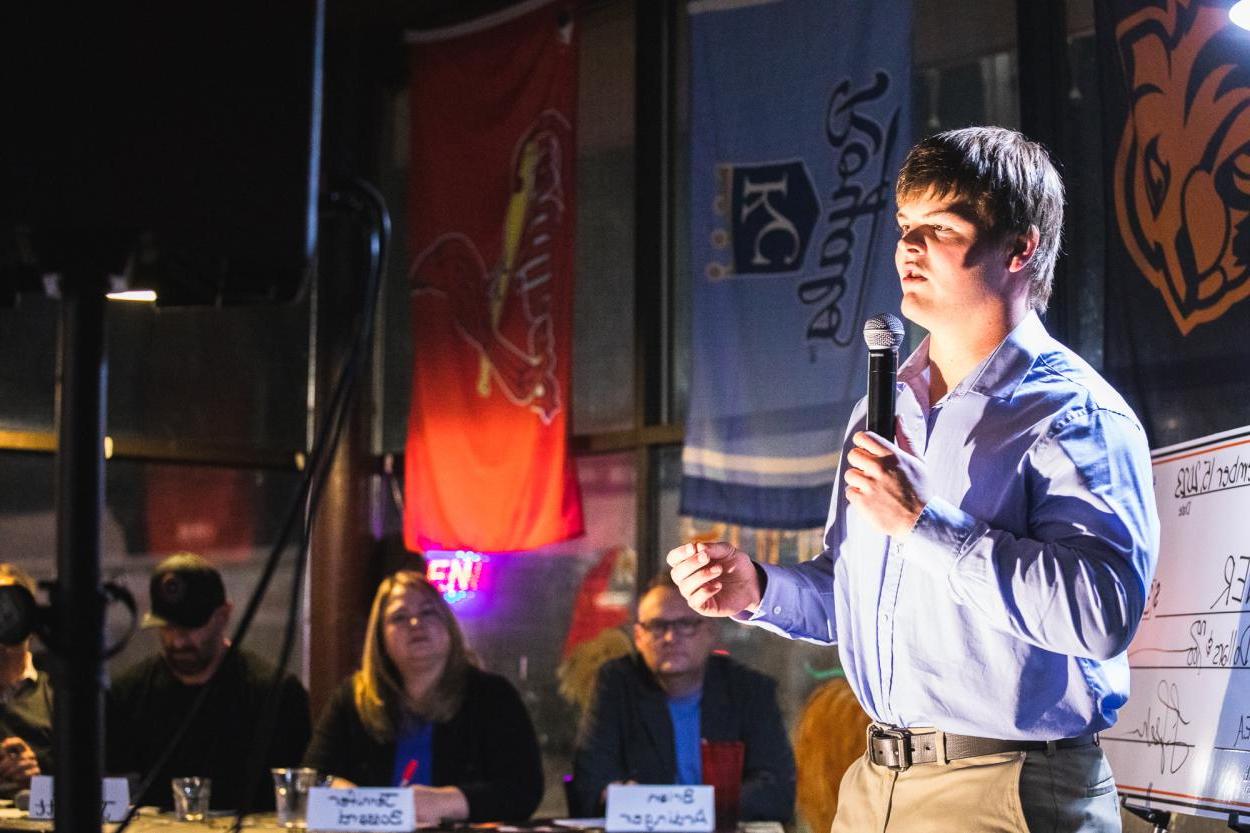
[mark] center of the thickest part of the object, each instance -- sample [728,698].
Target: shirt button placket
[885,626]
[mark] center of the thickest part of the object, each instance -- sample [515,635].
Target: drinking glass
[290,794]
[191,796]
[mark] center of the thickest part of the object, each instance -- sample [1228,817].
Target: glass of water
[290,794]
[191,796]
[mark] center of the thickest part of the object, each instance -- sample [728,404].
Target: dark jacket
[147,704]
[628,736]
[488,749]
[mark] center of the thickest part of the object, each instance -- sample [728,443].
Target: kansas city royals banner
[799,123]
[491,205]
[1176,89]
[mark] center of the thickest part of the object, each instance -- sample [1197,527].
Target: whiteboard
[1182,742]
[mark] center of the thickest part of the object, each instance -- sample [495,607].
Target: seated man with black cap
[25,702]
[233,739]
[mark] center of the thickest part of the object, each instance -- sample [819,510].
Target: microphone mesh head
[883,332]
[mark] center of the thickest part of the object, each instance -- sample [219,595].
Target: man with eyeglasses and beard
[651,710]
[148,703]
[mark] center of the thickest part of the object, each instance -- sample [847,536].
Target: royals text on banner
[1176,135]
[799,123]
[491,211]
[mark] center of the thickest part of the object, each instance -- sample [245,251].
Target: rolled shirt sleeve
[1077,585]
[797,602]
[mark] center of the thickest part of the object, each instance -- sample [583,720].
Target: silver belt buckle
[897,747]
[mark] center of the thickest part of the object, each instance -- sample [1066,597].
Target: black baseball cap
[185,591]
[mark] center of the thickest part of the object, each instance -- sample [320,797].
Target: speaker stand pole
[78,626]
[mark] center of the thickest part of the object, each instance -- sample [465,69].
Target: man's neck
[418,682]
[13,668]
[955,351]
[680,685]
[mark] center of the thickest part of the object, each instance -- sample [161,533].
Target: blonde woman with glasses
[420,713]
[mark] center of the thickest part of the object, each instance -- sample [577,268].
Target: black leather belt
[897,749]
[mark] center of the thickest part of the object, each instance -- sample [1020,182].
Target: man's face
[950,267]
[190,651]
[671,637]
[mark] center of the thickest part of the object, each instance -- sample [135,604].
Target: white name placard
[652,808]
[113,808]
[361,809]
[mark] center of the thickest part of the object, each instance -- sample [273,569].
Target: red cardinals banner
[491,205]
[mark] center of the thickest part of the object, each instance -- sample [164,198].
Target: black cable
[340,408]
[307,496]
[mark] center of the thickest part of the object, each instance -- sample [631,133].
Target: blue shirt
[684,712]
[415,743]
[1007,610]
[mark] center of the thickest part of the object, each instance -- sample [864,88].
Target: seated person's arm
[329,751]
[599,759]
[435,804]
[294,725]
[768,777]
[510,785]
[119,747]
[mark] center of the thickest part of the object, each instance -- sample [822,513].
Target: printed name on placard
[362,809]
[113,806]
[652,808]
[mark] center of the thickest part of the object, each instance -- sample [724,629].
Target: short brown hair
[1010,182]
[379,694]
[662,580]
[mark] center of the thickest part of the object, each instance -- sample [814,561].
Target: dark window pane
[235,376]
[603,342]
[28,364]
[230,516]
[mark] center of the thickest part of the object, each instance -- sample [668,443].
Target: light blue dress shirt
[1007,610]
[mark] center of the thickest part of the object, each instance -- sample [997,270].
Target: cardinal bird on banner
[491,204]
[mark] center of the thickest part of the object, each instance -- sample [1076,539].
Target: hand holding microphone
[884,482]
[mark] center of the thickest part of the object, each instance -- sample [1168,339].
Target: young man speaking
[984,573]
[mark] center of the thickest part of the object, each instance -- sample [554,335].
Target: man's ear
[1023,248]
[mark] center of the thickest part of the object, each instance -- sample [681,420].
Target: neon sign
[458,575]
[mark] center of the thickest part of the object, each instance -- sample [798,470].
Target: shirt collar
[1000,373]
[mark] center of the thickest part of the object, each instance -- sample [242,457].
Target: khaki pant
[1011,792]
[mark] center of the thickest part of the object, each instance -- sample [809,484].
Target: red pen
[410,769]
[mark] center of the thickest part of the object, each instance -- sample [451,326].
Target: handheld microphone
[883,333]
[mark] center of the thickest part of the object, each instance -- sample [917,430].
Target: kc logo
[773,210]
